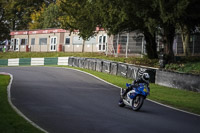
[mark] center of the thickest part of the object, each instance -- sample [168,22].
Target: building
[51,40]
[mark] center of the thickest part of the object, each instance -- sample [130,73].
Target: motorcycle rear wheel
[121,103]
[137,102]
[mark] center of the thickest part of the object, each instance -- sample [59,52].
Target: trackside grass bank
[10,121]
[181,99]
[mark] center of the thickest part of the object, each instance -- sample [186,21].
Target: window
[23,42]
[138,41]
[32,41]
[67,41]
[43,41]
[91,40]
[77,40]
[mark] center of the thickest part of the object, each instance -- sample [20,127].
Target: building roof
[45,31]
[39,31]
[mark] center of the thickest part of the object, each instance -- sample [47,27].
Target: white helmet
[145,77]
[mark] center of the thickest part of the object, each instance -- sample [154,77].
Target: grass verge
[10,121]
[181,99]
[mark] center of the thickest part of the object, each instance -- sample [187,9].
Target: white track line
[15,108]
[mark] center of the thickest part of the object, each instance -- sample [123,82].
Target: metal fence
[194,45]
[127,44]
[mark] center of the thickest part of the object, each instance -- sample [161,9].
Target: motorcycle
[134,97]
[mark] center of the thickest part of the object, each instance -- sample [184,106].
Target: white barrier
[13,62]
[37,61]
[63,60]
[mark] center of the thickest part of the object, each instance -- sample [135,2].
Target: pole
[142,45]
[117,45]
[193,39]
[106,42]
[127,45]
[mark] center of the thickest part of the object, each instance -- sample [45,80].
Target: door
[102,42]
[15,44]
[53,43]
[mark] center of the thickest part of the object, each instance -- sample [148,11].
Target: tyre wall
[111,67]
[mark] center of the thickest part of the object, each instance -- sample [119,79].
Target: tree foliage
[46,17]
[147,16]
[4,26]
[180,15]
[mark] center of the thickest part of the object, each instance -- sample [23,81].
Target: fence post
[127,45]
[117,44]
[193,41]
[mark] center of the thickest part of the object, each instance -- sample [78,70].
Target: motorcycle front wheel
[137,102]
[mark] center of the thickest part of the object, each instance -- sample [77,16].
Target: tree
[118,16]
[181,15]
[79,15]
[4,26]
[46,17]
[187,22]
[18,12]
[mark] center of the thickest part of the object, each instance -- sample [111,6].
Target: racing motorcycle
[134,97]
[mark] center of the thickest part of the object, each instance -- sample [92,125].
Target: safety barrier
[178,80]
[34,61]
[111,67]
[165,78]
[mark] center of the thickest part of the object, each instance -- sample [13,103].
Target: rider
[143,79]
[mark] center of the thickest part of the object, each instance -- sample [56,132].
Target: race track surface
[67,101]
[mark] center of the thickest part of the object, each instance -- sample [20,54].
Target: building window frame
[42,41]
[23,41]
[32,41]
[67,40]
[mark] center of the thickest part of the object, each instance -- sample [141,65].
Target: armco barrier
[24,61]
[34,61]
[3,62]
[37,61]
[51,61]
[178,80]
[63,60]
[13,62]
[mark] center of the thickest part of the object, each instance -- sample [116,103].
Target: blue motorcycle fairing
[142,89]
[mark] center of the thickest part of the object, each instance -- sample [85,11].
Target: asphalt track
[67,101]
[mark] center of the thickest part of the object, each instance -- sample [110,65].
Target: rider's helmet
[145,77]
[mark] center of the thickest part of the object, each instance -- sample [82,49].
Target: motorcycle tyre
[121,103]
[141,100]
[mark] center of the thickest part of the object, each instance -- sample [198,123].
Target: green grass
[10,121]
[189,67]
[181,99]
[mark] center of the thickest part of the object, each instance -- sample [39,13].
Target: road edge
[15,108]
